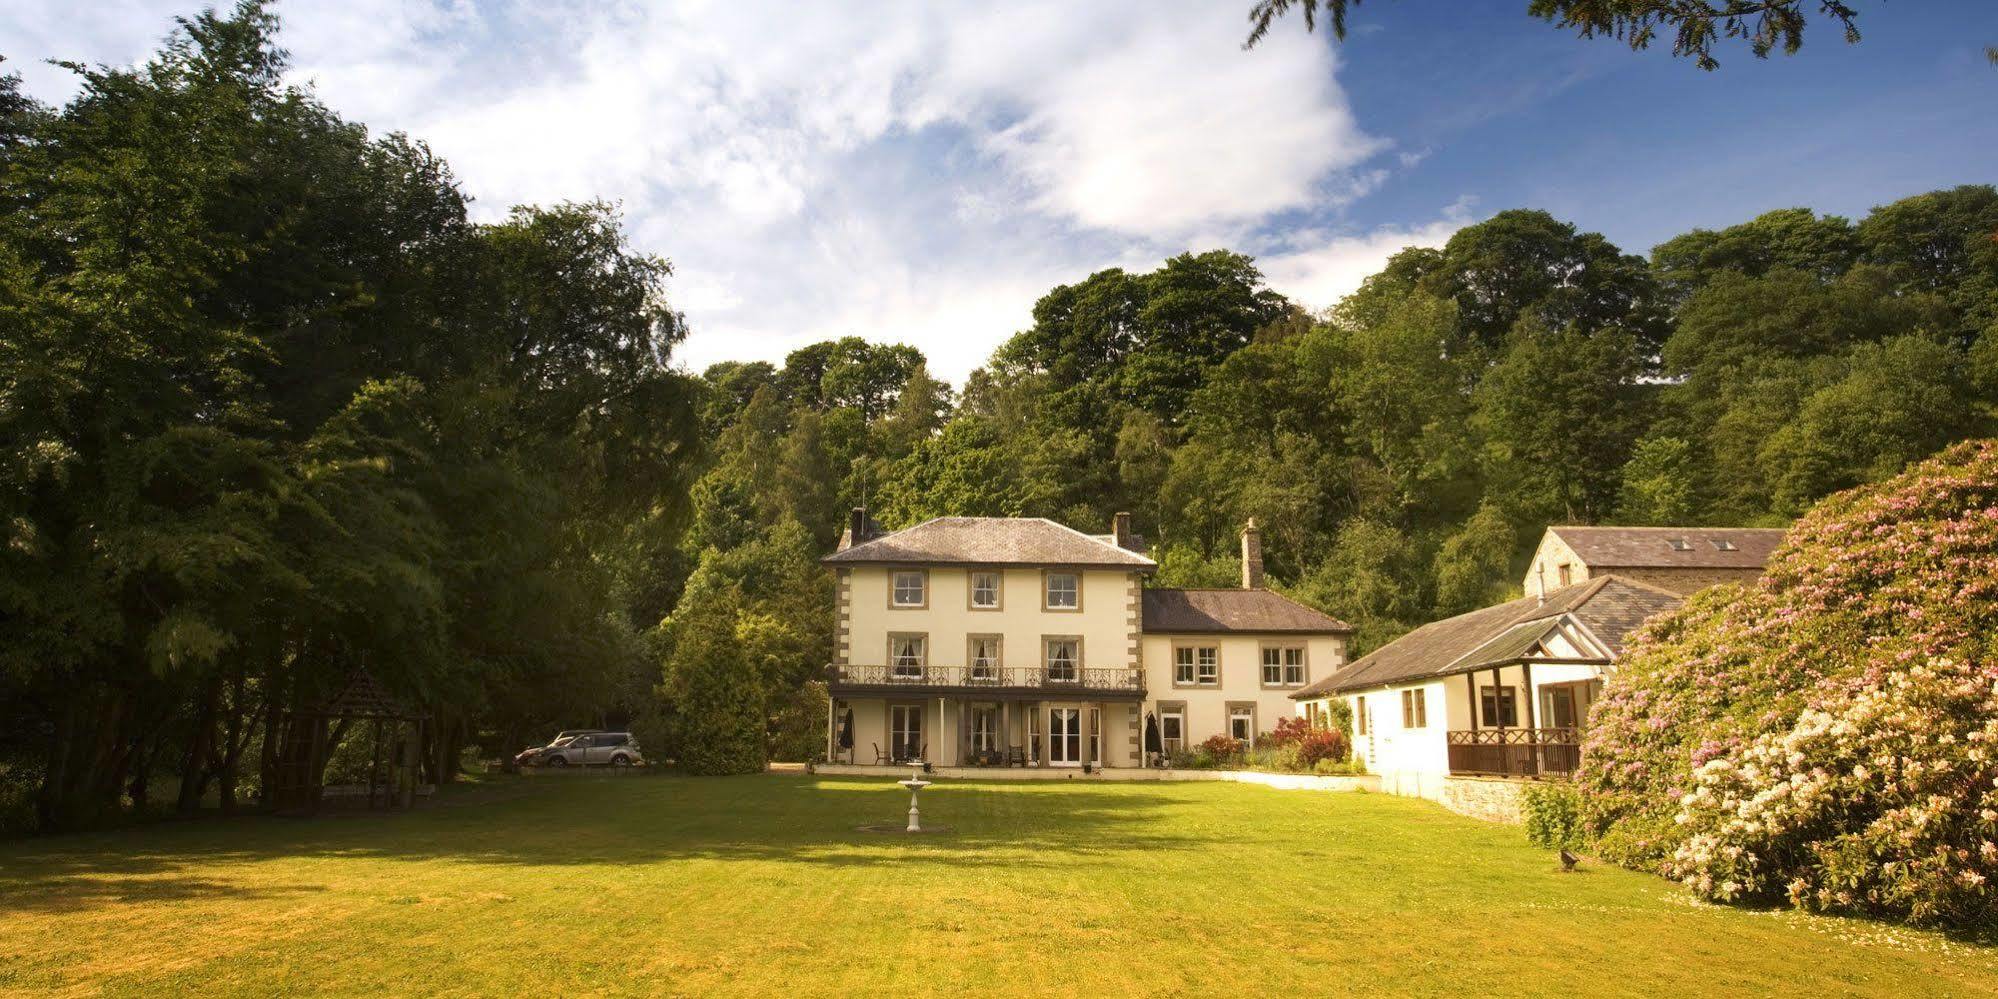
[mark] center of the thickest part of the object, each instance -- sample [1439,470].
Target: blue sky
[921,172]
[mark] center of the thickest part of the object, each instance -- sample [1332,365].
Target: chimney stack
[1252,556]
[1120,528]
[856,526]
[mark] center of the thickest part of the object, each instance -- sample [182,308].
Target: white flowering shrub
[1882,801]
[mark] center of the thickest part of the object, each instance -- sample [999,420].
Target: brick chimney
[1120,529]
[1252,556]
[856,526]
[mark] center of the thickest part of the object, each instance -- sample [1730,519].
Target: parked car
[531,756]
[615,749]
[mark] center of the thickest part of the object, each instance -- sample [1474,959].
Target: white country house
[1016,641]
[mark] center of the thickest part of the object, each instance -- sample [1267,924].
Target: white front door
[1065,737]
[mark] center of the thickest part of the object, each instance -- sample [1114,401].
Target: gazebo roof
[365,697]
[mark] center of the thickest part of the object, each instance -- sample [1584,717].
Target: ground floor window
[1095,735]
[1359,716]
[905,732]
[1500,706]
[1414,712]
[1242,724]
[985,729]
[1172,730]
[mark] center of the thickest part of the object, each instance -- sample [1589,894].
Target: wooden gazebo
[395,733]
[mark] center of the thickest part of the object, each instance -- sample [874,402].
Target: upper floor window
[1196,666]
[1063,659]
[1283,666]
[1566,574]
[907,654]
[908,588]
[985,591]
[1064,591]
[985,657]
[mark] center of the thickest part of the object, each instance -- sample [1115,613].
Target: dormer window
[909,588]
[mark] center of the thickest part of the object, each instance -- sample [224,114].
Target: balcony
[1021,682]
[1516,752]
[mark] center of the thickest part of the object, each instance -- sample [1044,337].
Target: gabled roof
[1609,607]
[1613,548]
[990,541]
[1233,610]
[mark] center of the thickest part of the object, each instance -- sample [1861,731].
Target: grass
[757,885]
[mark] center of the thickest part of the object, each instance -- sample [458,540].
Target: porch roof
[1608,607]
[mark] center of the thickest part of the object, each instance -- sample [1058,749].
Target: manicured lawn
[752,885]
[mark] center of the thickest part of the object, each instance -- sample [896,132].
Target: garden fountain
[915,784]
[915,826]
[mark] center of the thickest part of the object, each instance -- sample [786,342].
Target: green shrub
[1553,815]
[1336,768]
[720,707]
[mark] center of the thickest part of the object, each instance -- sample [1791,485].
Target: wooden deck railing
[1093,678]
[1516,752]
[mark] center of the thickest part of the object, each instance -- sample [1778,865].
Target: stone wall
[1489,798]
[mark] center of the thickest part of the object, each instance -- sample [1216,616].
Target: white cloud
[912,171]
[1328,266]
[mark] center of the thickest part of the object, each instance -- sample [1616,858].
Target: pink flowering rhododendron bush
[1829,735]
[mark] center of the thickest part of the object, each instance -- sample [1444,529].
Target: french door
[905,732]
[1065,737]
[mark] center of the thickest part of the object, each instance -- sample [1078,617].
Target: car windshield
[563,741]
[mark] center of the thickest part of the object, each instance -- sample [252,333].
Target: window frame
[1174,711]
[1360,715]
[1414,708]
[1241,709]
[998,590]
[1283,666]
[1213,660]
[1500,701]
[1047,590]
[922,665]
[1047,660]
[1187,651]
[971,657]
[922,580]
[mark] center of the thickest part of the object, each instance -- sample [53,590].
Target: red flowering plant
[1221,749]
[1829,734]
[1322,744]
[1287,731]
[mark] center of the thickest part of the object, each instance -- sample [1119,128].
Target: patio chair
[1016,756]
[880,758]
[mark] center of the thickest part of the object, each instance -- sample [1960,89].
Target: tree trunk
[55,778]
[200,747]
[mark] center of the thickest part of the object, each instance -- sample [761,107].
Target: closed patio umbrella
[1153,744]
[846,731]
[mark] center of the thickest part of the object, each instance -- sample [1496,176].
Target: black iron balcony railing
[1099,678]
[1516,752]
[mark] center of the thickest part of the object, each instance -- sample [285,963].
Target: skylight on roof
[1722,545]
[1681,545]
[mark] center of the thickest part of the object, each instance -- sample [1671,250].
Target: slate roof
[1615,548]
[990,541]
[1234,610]
[1610,607]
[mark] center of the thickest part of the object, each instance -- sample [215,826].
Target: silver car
[614,749]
